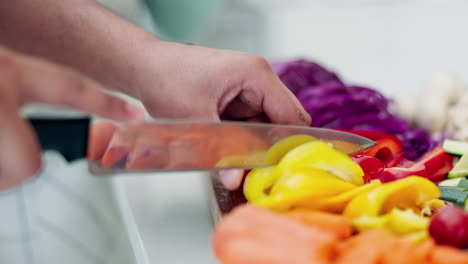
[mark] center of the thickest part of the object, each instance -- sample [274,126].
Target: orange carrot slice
[251,234]
[365,248]
[420,253]
[446,255]
[400,251]
[337,225]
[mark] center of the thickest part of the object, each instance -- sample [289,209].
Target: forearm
[78,33]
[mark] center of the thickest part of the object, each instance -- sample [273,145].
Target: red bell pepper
[440,174]
[372,135]
[388,146]
[396,173]
[436,160]
[385,150]
[371,166]
[433,165]
[399,161]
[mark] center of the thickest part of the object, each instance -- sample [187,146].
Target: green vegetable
[462,200]
[463,183]
[451,182]
[455,195]
[454,147]
[460,169]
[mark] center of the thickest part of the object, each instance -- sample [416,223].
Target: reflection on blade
[183,145]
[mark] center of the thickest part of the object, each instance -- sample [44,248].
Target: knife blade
[176,145]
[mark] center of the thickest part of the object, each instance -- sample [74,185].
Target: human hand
[25,80]
[172,80]
[183,81]
[200,83]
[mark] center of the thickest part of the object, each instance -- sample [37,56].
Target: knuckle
[260,62]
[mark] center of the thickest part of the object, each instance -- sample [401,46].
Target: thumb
[282,106]
[20,153]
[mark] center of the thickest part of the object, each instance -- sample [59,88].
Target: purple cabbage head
[300,74]
[334,104]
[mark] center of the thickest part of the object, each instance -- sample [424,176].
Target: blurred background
[392,45]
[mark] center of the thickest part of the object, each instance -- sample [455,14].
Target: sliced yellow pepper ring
[365,223]
[431,207]
[258,183]
[280,148]
[319,155]
[302,185]
[407,193]
[417,237]
[406,222]
[401,223]
[336,204]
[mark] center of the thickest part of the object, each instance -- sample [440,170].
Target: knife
[176,145]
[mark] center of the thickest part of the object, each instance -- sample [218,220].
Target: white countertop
[172,214]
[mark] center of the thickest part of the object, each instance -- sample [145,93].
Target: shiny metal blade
[190,145]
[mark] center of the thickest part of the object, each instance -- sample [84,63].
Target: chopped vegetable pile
[324,207]
[251,234]
[405,200]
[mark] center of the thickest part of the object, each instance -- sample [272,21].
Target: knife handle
[68,136]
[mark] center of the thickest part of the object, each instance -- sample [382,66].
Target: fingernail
[231,179]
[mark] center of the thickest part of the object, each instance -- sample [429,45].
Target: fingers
[47,83]
[282,106]
[278,102]
[245,106]
[19,152]
[231,179]
[25,80]
[263,93]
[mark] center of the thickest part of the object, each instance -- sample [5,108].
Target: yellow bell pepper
[403,223]
[336,204]
[395,207]
[408,193]
[280,148]
[366,223]
[274,154]
[308,172]
[417,237]
[431,207]
[258,183]
[292,188]
[320,155]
